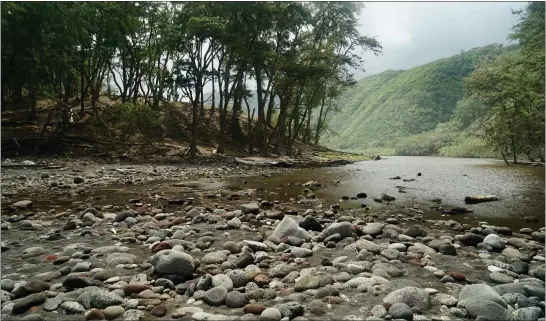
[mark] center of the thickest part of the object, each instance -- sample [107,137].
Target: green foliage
[384,109]
[509,92]
[127,121]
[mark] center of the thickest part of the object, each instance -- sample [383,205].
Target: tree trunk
[249,127]
[504,158]
[202,104]
[82,84]
[320,121]
[32,101]
[213,90]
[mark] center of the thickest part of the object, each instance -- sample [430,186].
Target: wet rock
[76,282]
[412,296]
[415,231]
[235,299]
[471,239]
[309,223]
[390,254]
[495,241]
[7,285]
[250,208]
[134,288]
[301,252]
[457,276]
[159,311]
[232,247]
[120,217]
[288,227]
[113,312]
[94,314]
[440,299]
[161,246]
[52,304]
[307,282]
[255,309]
[534,291]
[501,278]
[527,314]
[512,253]
[72,307]
[22,305]
[244,260]
[271,314]
[215,296]
[29,287]
[133,315]
[4,296]
[170,262]
[223,281]
[291,310]
[489,310]
[234,223]
[95,297]
[24,204]
[214,258]
[480,293]
[401,311]
[372,229]
[33,251]
[345,229]
[368,246]
[281,270]
[384,197]
[448,249]
[537,272]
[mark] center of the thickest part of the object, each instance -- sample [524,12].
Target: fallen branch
[480,199]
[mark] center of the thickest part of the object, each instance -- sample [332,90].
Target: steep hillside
[384,109]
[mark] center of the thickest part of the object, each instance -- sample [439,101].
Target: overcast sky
[414,33]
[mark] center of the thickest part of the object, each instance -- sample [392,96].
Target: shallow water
[520,189]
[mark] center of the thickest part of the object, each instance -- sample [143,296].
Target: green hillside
[386,110]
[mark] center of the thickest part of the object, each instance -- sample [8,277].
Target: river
[520,189]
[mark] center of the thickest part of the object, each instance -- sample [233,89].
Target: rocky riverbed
[94,242]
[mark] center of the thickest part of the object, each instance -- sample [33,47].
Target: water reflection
[520,189]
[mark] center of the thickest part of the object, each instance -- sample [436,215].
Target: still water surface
[520,189]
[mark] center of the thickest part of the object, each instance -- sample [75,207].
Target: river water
[520,189]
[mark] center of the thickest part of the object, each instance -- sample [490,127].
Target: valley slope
[409,112]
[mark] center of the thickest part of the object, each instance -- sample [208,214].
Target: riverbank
[127,242]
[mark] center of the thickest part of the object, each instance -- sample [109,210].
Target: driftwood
[295,164]
[480,199]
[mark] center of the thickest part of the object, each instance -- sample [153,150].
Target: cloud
[415,33]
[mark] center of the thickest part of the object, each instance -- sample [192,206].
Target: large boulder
[480,293]
[495,241]
[288,227]
[412,296]
[174,263]
[488,310]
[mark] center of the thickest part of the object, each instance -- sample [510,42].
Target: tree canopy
[149,53]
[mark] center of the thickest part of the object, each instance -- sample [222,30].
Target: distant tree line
[149,53]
